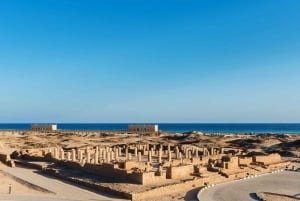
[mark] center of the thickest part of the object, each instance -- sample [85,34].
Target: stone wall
[128,165]
[152,178]
[179,171]
[268,159]
[5,158]
[246,161]
[175,188]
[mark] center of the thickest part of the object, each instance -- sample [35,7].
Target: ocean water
[279,128]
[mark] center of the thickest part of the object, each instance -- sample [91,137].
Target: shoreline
[162,132]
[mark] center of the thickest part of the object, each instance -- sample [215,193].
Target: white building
[44,127]
[142,128]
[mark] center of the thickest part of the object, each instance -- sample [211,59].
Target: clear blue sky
[150,61]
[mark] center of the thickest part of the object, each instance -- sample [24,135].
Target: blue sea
[278,128]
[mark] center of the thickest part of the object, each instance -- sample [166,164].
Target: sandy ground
[8,181]
[286,182]
[283,144]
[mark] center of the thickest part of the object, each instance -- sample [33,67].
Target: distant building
[143,128]
[44,127]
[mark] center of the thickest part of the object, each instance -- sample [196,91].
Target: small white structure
[44,127]
[142,128]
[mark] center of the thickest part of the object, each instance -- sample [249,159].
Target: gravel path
[286,182]
[62,191]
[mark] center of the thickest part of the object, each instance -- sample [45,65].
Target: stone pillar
[56,154]
[159,155]
[126,153]
[73,155]
[177,154]
[160,169]
[80,156]
[112,155]
[186,153]
[152,151]
[117,154]
[68,156]
[196,153]
[120,151]
[108,157]
[129,156]
[62,154]
[189,154]
[135,151]
[139,156]
[104,155]
[96,156]
[88,156]
[150,157]
[170,156]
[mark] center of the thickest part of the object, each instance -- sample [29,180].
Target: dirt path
[63,191]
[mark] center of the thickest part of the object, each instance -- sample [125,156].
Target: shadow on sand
[192,195]
[253,196]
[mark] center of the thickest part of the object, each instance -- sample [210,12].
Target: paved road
[62,191]
[285,182]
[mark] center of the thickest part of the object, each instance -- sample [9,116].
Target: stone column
[170,156]
[73,155]
[150,157]
[62,154]
[135,151]
[120,151]
[88,157]
[96,156]
[139,156]
[189,154]
[152,151]
[108,157]
[112,155]
[196,153]
[80,156]
[56,153]
[117,154]
[126,153]
[104,155]
[68,156]
[159,155]
[129,156]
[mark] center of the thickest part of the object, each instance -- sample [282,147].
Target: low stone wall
[87,184]
[165,190]
[179,171]
[5,158]
[151,178]
[108,170]
[28,164]
[246,161]
[268,159]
